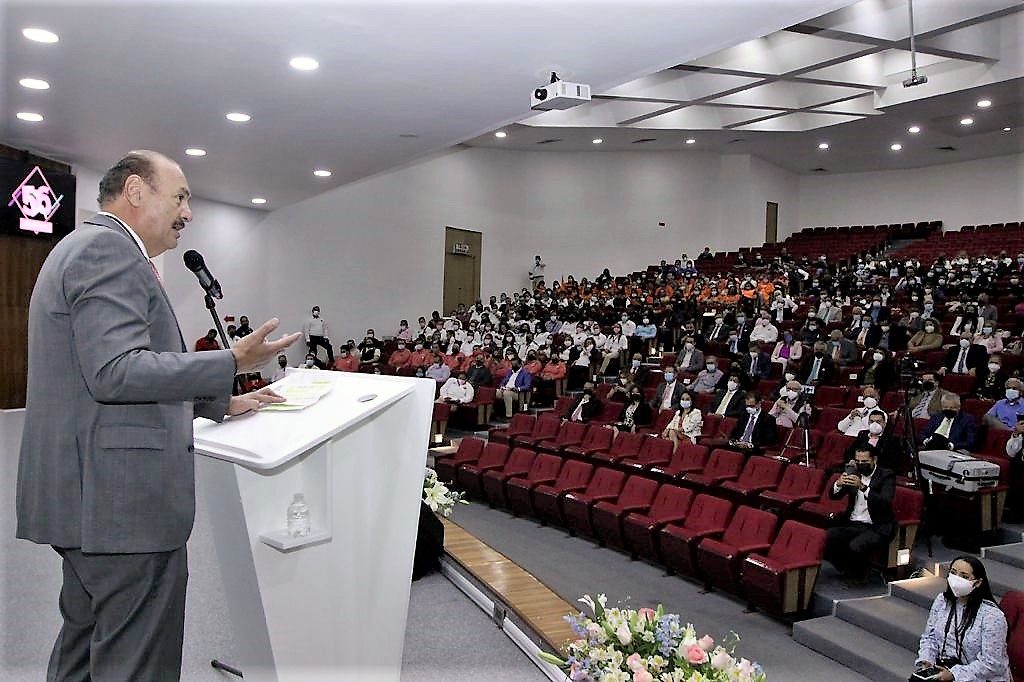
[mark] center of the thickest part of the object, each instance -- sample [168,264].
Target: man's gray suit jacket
[107,463]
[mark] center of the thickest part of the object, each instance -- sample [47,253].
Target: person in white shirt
[456,391]
[764,331]
[316,334]
[403,333]
[537,272]
[857,420]
[628,325]
[282,368]
[687,422]
[614,348]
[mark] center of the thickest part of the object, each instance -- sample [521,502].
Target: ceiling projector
[916,79]
[559,94]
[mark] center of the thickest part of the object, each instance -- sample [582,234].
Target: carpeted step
[919,591]
[891,618]
[870,655]
[1004,577]
[1007,554]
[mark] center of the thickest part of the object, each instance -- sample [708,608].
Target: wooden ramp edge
[531,600]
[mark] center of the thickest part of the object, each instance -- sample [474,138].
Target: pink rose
[695,655]
[706,642]
[647,614]
[642,676]
[634,662]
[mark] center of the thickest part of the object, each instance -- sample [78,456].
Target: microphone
[194,262]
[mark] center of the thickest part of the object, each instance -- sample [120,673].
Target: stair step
[1004,577]
[868,654]
[918,591]
[891,618]
[1007,554]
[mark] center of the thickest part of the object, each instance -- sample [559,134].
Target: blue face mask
[669,377]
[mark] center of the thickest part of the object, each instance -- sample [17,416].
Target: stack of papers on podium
[300,391]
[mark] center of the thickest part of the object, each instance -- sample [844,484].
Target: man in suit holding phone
[106,472]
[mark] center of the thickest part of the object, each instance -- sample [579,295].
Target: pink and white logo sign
[36,202]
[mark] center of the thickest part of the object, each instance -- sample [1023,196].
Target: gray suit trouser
[124,617]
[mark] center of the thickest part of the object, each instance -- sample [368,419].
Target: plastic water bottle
[298,517]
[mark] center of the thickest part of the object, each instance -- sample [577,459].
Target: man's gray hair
[140,162]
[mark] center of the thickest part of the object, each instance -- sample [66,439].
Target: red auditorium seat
[563,405]
[547,499]
[606,517]
[520,425]
[477,411]
[605,486]
[977,409]
[799,484]
[597,439]
[493,481]
[439,420]
[830,396]
[723,465]
[824,511]
[569,433]
[518,490]
[832,453]
[545,428]
[907,506]
[759,474]
[660,422]
[640,531]
[467,476]
[708,517]
[625,446]
[961,384]
[688,458]
[891,401]
[654,452]
[468,451]
[782,581]
[995,442]
[829,418]
[1012,605]
[610,411]
[718,560]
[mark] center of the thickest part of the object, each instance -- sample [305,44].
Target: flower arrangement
[646,645]
[439,497]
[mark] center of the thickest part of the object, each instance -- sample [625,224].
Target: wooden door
[462,255]
[771,222]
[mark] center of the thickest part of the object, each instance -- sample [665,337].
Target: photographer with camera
[869,522]
[791,404]
[965,637]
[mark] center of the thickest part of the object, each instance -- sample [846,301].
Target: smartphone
[929,673]
[851,469]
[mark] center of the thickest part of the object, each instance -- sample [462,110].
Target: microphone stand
[907,380]
[212,307]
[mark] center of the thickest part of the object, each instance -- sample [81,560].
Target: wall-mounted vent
[550,140]
[645,139]
[946,148]
[737,139]
[819,170]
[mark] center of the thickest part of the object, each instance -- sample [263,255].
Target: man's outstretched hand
[240,404]
[254,351]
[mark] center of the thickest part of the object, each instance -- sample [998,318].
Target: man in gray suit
[106,474]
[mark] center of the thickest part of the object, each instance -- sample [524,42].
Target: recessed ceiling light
[966,121]
[914,130]
[258,200]
[40,35]
[322,173]
[195,151]
[597,140]
[823,145]
[896,147]
[30,116]
[501,134]
[408,136]
[1006,129]
[984,103]
[34,84]
[238,117]
[304,64]
[690,141]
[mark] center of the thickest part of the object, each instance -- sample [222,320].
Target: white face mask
[733,385]
[791,394]
[877,357]
[686,404]
[874,428]
[961,587]
[870,403]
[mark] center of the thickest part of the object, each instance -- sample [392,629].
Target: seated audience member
[892,337]
[515,383]
[829,311]
[1015,453]
[645,333]
[623,386]
[754,430]
[455,359]
[790,405]
[817,368]
[635,412]
[728,402]
[756,364]
[736,344]
[867,335]
[637,370]
[667,394]
[988,339]
[282,368]
[400,358]
[812,332]
[581,363]
[857,420]
[965,357]
[586,407]
[438,371]
[878,371]
[887,447]
[369,351]
[420,357]
[1003,415]
[311,362]
[687,422]
[456,391]
[868,522]
[346,361]
[534,363]
[708,378]
[403,333]
[478,374]
[718,331]
[208,342]
[929,338]
[842,351]
[690,359]
[965,636]
[615,348]
[951,429]
[764,331]
[927,401]
[992,387]
[788,351]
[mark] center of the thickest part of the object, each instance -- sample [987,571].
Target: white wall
[968,193]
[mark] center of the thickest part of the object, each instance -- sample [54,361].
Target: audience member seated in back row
[456,391]
[754,430]
[345,360]
[208,342]
[687,422]
[950,429]
[586,407]
[635,412]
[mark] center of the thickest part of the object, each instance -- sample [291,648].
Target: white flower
[721,659]
[623,633]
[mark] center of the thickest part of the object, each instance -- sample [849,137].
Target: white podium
[331,605]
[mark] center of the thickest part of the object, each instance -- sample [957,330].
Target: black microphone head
[193,260]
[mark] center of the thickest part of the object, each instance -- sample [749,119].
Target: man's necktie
[960,362]
[749,430]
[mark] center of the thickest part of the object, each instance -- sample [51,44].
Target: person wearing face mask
[951,429]
[929,338]
[310,362]
[479,374]
[728,402]
[315,332]
[645,334]
[709,378]
[403,333]
[788,351]
[346,360]
[668,393]
[965,358]
[756,364]
[988,339]
[812,331]
[687,422]
[635,412]
[878,370]
[818,367]
[616,347]
[1003,415]
[400,357]
[421,357]
[926,401]
[868,523]
[764,331]
[857,420]
[690,360]
[842,351]
[755,429]
[514,387]
[887,447]
[718,330]
[965,636]
[787,408]
[281,370]
[586,407]
[582,360]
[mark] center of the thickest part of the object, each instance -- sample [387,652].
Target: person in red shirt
[346,362]
[208,342]
[455,361]
[534,363]
[421,357]
[400,358]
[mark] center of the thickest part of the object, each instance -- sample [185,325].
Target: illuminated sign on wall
[38,203]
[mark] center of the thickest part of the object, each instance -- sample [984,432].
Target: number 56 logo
[36,202]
